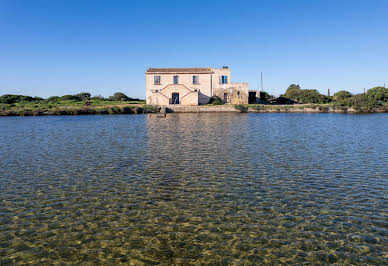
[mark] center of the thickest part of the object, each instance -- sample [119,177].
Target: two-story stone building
[192,86]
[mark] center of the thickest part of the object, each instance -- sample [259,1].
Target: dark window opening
[156,80]
[176,79]
[224,79]
[195,80]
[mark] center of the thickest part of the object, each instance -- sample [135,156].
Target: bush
[12,98]
[53,99]
[119,96]
[361,103]
[126,110]
[341,95]
[295,93]
[215,100]
[69,97]
[257,108]
[265,96]
[241,107]
[378,95]
[98,97]
[114,110]
[150,109]
[83,96]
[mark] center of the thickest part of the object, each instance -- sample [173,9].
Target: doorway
[175,98]
[252,97]
[225,97]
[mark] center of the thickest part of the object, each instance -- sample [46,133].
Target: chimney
[328,92]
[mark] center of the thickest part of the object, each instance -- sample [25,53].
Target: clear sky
[58,47]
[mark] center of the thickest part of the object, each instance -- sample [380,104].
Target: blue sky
[68,46]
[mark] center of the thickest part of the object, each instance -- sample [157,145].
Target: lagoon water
[194,188]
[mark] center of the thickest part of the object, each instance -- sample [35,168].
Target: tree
[341,95]
[378,95]
[295,93]
[265,96]
[83,96]
[119,96]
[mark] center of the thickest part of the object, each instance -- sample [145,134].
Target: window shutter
[220,79]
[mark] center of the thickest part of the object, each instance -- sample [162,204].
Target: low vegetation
[374,100]
[215,100]
[77,104]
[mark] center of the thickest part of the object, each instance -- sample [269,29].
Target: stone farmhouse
[192,86]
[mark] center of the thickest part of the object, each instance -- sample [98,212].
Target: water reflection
[194,188]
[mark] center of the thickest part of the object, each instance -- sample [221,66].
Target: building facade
[192,86]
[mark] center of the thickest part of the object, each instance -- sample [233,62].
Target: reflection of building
[192,86]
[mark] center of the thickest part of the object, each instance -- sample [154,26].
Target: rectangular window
[195,80]
[224,79]
[156,80]
[176,80]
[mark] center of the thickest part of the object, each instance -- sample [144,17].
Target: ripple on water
[194,188]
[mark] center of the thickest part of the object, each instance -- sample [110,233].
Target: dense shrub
[215,100]
[11,98]
[241,108]
[378,95]
[83,96]
[98,97]
[150,109]
[341,95]
[265,96]
[69,97]
[53,99]
[361,103]
[295,93]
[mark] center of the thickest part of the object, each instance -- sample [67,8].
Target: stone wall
[202,109]
[237,93]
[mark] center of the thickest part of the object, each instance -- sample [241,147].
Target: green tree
[83,96]
[119,96]
[378,95]
[295,93]
[341,95]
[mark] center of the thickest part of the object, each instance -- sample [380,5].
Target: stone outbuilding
[192,86]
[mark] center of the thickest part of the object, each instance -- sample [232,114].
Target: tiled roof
[179,70]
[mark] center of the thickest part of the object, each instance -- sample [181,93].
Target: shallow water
[194,188]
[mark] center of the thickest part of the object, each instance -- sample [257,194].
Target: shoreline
[147,109]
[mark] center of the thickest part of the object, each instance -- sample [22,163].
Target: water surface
[194,188]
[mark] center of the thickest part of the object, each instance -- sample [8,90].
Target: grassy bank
[72,107]
[77,104]
[308,108]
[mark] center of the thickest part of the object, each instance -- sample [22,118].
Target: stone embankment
[202,109]
[300,108]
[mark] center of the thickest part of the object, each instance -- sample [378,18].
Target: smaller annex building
[192,86]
